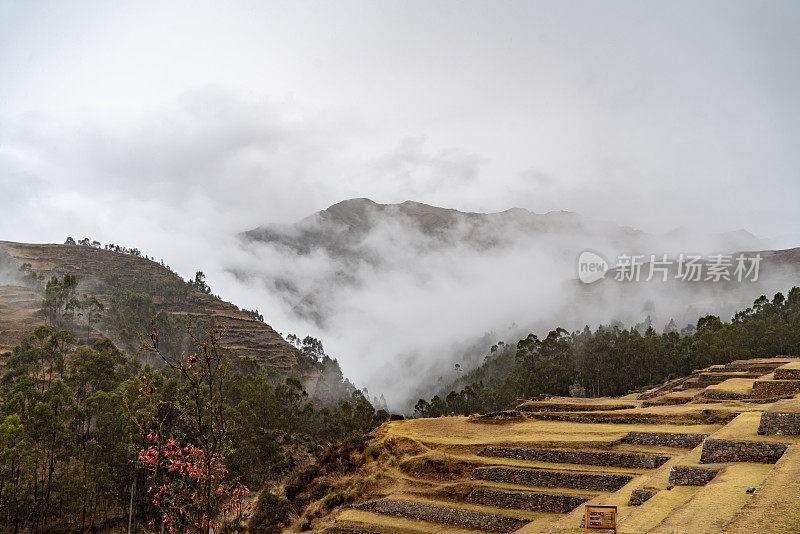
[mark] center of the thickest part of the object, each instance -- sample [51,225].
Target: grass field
[656,509]
[786,406]
[713,505]
[745,428]
[435,459]
[734,385]
[397,524]
[458,431]
[775,506]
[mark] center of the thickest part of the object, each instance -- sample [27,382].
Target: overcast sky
[173,126]
[121,121]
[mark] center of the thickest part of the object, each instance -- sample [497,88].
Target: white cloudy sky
[642,112]
[171,126]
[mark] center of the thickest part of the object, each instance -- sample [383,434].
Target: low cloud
[400,303]
[182,180]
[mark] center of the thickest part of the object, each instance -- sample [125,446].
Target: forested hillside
[131,289]
[613,360]
[131,395]
[79,424]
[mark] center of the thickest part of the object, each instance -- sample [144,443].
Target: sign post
[601,517]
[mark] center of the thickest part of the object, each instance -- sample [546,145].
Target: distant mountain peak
[341,228]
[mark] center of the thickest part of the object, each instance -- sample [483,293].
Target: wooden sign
[600,517]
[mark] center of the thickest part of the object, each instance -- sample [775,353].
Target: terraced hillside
[700,464]
[103,273]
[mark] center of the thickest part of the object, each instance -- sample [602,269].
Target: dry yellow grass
[745,428]
[775,506]
[514,487]
[598,403]
[19,314]
[786,406]
[491,460]
[508,512]
[684,394]
[695,412]
[659,478]
[101,272]
[655,510]
[571,522]
[714,504]
[457,431]
[734,385]
[436,465]
[398,524]
[783,360]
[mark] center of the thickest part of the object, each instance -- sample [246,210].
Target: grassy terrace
[439,455]
[457,431]
[745,428]
[734,385]
[713,505]
[397,525]
[785,406]
[776,505]
[600,403]
[652,512]
[493,460]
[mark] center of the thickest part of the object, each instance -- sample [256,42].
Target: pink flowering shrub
[190,489]
[194,486]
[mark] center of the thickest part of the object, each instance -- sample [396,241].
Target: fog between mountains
[399,306]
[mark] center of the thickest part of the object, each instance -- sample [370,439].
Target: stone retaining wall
[762,368]
[346,529]
[779,424]
[573,407]
[718,450]
[666,401]
[497,417]
[682,475]
[551,479]
[669,386]
[786,374]
[639,496]
[547,416]
[665,439]
[706,380]
[711,418]
[440,514]
[718,394]
[766,401]
[537,502]
[611,459]
[767,389]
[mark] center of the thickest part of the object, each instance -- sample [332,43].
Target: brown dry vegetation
[102,273]
[19,314]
